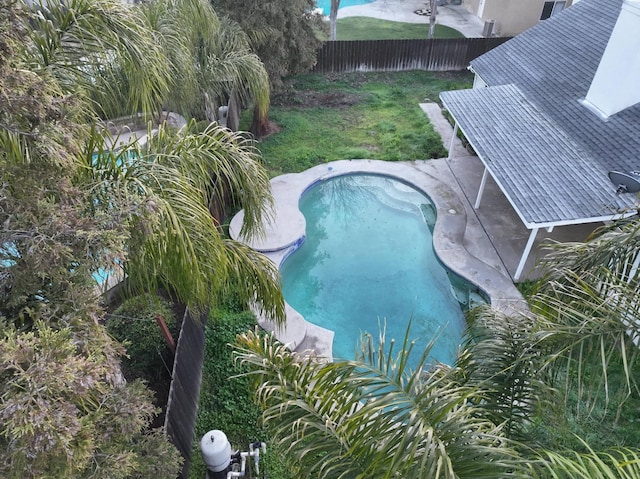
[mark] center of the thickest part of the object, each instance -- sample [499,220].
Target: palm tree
[582,334]
[175,242]
[590,309]
[102,50]
[583,325]
[210,60]
[138,58]
[333,19]
[109,57]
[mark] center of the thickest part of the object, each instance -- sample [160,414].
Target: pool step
[397,196]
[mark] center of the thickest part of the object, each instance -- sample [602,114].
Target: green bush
[134,324]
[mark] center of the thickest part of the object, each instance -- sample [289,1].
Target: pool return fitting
[222,464]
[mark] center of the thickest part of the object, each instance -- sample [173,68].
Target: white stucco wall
[511,16]
[472,5]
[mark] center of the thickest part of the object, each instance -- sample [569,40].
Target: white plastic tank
[223,115]
[216,450]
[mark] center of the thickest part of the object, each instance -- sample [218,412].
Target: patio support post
[483,182]
[453,138]
[525,253]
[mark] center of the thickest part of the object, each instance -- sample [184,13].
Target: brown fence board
[402,55]
[184,393]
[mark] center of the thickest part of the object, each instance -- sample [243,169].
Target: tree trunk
[333,19]
[260,123]
[432,18]
[209,108]
[235,108]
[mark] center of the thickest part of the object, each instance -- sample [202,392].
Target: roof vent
[625,182]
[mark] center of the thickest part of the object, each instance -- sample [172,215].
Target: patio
[495,216]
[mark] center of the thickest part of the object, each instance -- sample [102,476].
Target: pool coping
[285,231]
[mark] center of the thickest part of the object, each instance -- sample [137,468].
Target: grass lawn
[355,116]
[366,28]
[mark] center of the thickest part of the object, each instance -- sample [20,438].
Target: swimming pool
[368,258]
[325,5]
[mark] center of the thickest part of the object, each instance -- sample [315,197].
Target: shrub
[134,324]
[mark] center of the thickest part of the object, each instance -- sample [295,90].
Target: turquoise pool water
[102,276]
[325,5]
[368,258]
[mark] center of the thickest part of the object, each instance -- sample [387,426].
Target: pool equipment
[222,464]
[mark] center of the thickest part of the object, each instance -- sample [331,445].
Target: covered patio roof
[549,154]
[545,175]
[548,179]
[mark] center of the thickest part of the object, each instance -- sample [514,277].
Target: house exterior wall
[478,82]
[511,16]
[472,6]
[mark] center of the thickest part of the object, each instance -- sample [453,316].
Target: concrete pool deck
[460,241]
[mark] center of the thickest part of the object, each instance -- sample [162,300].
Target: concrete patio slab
[502,224]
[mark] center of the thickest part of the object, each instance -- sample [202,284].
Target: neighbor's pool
[368,257]
[325,5]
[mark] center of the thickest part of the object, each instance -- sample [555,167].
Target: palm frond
[613,248]
[591,309]
[164,191]
[619,463]
[173,23]
[255,279]
[351,419]
[232,66]
[207,57]
[103,49]
[589,335]
[502,358]
[225,166]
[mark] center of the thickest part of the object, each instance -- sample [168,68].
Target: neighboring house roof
[549,154]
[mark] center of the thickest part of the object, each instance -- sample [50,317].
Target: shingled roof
[550,154]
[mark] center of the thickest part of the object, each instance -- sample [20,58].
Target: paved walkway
[454,16]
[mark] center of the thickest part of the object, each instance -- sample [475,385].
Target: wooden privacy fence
[182,407]
[401,55]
